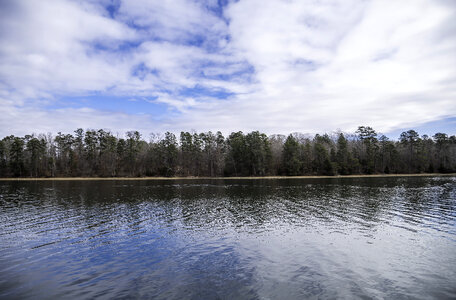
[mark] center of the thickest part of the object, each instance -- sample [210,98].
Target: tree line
[99,153]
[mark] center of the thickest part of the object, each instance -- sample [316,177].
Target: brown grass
[223,178]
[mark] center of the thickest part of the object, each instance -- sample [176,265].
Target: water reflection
[244,239]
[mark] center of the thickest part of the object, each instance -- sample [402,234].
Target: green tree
[36,149]
[90,150]
[64,152]
[321,163]
[258,153]
[121,150]
[236,155]
[343,156]
[17,156]
[443,150]
[186,142]
[368,137]
[107,153]
[291,159]
[410,139]
[168,155]
[133,148]
[213,150]
[3,161]
[306,157]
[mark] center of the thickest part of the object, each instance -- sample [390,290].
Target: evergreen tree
[342,157]
[17,156]
[368,137]
[291,157]
[410,140]
[99,153]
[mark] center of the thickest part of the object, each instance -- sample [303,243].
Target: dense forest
[99,153]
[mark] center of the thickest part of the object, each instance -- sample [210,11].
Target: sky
[278,66]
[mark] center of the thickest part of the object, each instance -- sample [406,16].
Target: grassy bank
[225,178]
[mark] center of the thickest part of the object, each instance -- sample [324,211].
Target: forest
[100,153]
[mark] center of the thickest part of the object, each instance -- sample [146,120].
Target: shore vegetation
[100,153]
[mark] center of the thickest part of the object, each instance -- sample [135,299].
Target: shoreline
[225,178]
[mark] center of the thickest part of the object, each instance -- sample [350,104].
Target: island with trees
[100,153]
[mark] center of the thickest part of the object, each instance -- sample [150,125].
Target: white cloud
[177,20]
[27,120]
[314,66]
[45,48]
[382,63]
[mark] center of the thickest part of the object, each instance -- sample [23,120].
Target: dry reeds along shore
[227,178]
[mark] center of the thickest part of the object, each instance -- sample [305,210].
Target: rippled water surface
[229,239]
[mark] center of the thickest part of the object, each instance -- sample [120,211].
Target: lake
[392,237]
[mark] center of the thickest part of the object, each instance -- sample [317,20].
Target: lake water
[229,239]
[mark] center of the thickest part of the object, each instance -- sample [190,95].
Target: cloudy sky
[278,66]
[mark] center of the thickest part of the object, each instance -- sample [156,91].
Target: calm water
[229,239]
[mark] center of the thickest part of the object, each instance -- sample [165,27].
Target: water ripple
[255,239]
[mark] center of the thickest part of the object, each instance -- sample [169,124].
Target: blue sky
[275,66]
[445,126]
